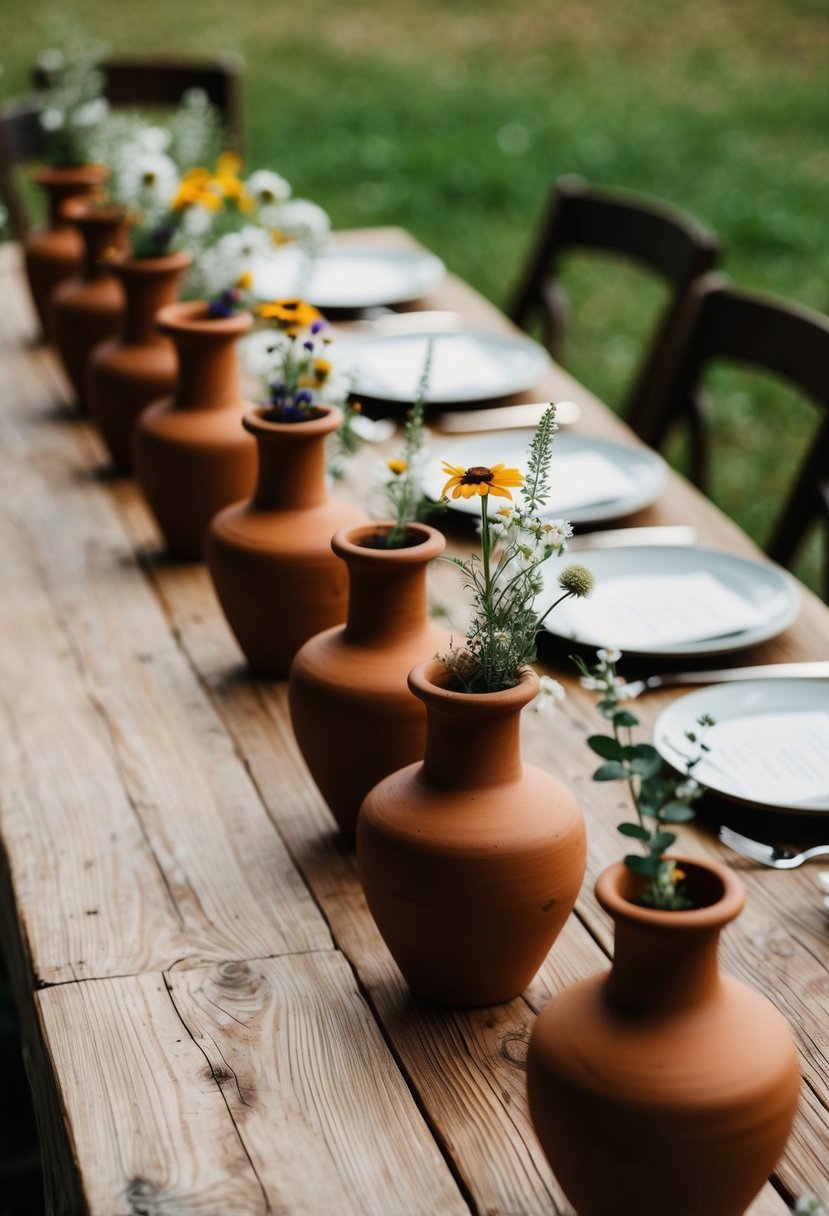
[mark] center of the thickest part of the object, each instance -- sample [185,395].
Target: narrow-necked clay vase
[127,373]
[353,715]
[55,252]
[270,556]
[89,307]
[470,861]
[663,1085]
[191,454]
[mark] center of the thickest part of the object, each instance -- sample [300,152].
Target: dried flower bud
[577,580]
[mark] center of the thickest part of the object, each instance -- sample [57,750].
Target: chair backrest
[127,81]
[656,236]
[775,336]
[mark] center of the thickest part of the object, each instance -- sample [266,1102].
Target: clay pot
[127,373]
[191,455]
[470,861]
[662,1085]
[55,252]
[88,308]
[270,557]
[353,715]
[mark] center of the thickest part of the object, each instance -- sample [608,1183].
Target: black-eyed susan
[292,315]
[478,479]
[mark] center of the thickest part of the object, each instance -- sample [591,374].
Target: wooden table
[211,1021]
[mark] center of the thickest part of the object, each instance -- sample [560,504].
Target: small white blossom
[52,119]
[550,693]
[592,684]
[688,790]
[92,113]
[610,654]
[303,220]
[809,1205]
[268,187]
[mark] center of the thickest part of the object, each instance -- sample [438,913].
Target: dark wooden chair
[654,235]
[775,336]
[127,81]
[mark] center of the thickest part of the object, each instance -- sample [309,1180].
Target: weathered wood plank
[149,1125]
[323,1111]
[135,837]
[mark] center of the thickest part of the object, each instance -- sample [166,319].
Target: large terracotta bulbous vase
[662,1085]
[270,557]
[88,308]
[55,252]
[470,861]
[353,715]
[127,373]
[191,454]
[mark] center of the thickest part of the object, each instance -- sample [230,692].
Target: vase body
[55,252]
[192,456]
[353,714]
[88,308]
[270,556]
[127,373]
[470,861]
[661,1077]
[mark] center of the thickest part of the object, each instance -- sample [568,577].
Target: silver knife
[771,671]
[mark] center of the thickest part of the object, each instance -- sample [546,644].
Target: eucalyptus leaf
[677,812]
[612,771]
[606,746]
[634,829]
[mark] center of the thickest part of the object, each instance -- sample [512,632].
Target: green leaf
[676,812]
[607,709]
[612,771]
[649,866]
[647,766]
[606,746]
[625,718]
[634,829]
[662,841]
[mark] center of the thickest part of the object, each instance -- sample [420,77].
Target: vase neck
[291,469]
[386,600]
[208,370]
[100,238]
[468,746]
[56,195]
[145,293]
[658,970]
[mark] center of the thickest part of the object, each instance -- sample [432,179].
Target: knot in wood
[234,975]
[513,1049]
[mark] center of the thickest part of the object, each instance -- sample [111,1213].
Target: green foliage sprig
[660,798]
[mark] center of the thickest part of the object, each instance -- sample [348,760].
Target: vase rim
[191,316]
[426,682]
[91,172]
[82,210]
[429,545]
[329,419]
[176,259]
[727,904]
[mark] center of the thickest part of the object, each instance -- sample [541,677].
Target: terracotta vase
[127,373]
[88,308]
[191,455]
[662,1085]
[270,556]
[470,861]
[55,252]
[353,715]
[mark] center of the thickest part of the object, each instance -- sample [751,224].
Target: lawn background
[453,118]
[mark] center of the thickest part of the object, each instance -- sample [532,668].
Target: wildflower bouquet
[659,798]
[299,370]
[506,579]
[72,103]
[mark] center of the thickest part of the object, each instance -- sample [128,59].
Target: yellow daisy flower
[290,315]
[478,479]
[245,281]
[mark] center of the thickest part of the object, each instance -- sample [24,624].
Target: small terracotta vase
[127,373]
[270,557]
[662,1085]
[470,861]
[55,252]
[191,455]
[88,308]
[353,715]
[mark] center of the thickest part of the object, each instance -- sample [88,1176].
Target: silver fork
[818,670]
[769,854]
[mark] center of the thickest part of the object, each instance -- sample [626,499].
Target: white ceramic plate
[349,278]
[465,366]
[592,480]
[675,600]
[769,745]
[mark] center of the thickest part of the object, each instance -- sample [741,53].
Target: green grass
[452,119]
